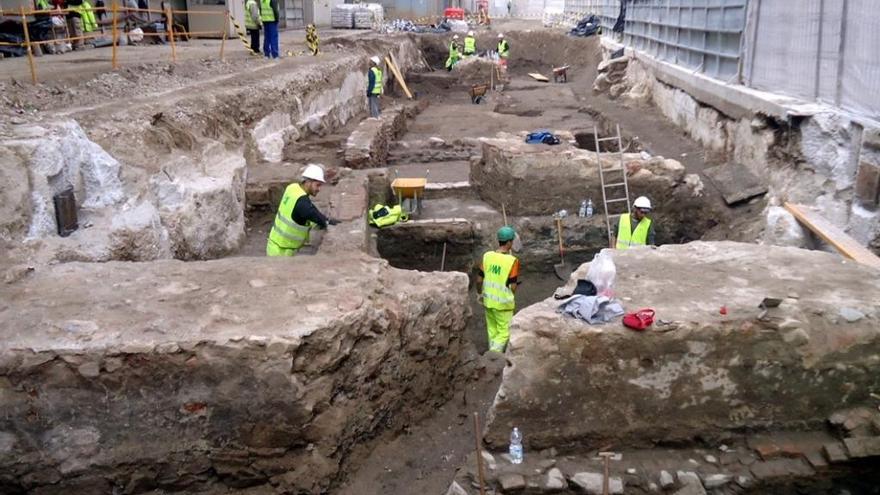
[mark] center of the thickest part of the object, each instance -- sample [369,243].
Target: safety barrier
[120,15]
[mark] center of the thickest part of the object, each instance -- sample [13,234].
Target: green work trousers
[273,249]
[498,328]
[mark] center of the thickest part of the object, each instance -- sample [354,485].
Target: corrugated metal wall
[825,50]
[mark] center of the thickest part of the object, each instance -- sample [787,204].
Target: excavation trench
[332,372]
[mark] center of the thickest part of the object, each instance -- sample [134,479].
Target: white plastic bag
[602,273]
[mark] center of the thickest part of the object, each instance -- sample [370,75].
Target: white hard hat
[375,60]
[643,203]
[500,35]
[313,172]
[455,36]
[470,33]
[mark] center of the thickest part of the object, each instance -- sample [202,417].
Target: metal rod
[841,50]
[225,30]
[819,50]
[443,258]
[479,453]
[753,51]
[27,46]
[115,30]
[169,27]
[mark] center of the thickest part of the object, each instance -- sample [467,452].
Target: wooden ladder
[609,198]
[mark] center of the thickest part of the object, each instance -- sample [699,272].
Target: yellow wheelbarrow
[409,192]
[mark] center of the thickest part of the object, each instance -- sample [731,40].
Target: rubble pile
[612,77]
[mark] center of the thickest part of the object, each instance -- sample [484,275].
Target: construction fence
[119,26]
[817,50]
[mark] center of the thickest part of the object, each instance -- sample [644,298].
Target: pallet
[843,243]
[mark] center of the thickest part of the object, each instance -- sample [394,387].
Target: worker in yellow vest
[503,50]
[269,16]
[496,285]
[375,86]
[87,14]
[297,215]
[470,45]
[253,23]
[635,230]
[454,55]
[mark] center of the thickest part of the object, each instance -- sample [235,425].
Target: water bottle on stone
[589,208]
[582,211]
[516,447]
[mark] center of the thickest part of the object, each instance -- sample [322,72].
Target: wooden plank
[399,77]
[846,245]
[538,77]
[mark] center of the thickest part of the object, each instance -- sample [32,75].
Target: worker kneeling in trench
[496,285]
[297,215]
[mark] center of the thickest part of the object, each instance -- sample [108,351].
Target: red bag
[639,320]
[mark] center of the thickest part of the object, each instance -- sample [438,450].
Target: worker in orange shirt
[496,285]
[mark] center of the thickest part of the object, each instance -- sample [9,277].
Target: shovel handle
[559,236]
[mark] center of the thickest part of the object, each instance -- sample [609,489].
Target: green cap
[506,233]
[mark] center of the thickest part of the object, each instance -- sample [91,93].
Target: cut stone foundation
[184,376]
[710,365]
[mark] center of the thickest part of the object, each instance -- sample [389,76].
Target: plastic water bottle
[589,208]
[516,447]
[582,211]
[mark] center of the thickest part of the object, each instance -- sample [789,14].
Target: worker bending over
[503,49]
[297,215]
[470,45]
[496,285]
[312,38]
[638,233]
[374,86]
[454,55]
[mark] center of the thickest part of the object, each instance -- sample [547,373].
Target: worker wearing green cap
[496,285]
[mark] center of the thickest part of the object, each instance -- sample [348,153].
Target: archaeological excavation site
[589,257]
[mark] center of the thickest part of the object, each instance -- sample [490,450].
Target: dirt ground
[422,459]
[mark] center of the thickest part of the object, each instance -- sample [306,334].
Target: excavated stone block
[868,184]
[592,483]
[863,446]
[780,468]
[529,179]
[511,482]
[554,480]
[834,452]
[238,371]
[714,373]
[369,143]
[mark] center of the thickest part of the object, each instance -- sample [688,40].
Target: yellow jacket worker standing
[297,215]
[496,285]
[636,229]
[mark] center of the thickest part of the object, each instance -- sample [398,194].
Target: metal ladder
[617,182]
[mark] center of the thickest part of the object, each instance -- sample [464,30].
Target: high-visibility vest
[496,271]
[470,45]
[377,82]
[89,23]
[503,49]
[266,12]
[43,5]
[286,233]
[626,238]
[250,22]
[384,216]
[453,55]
